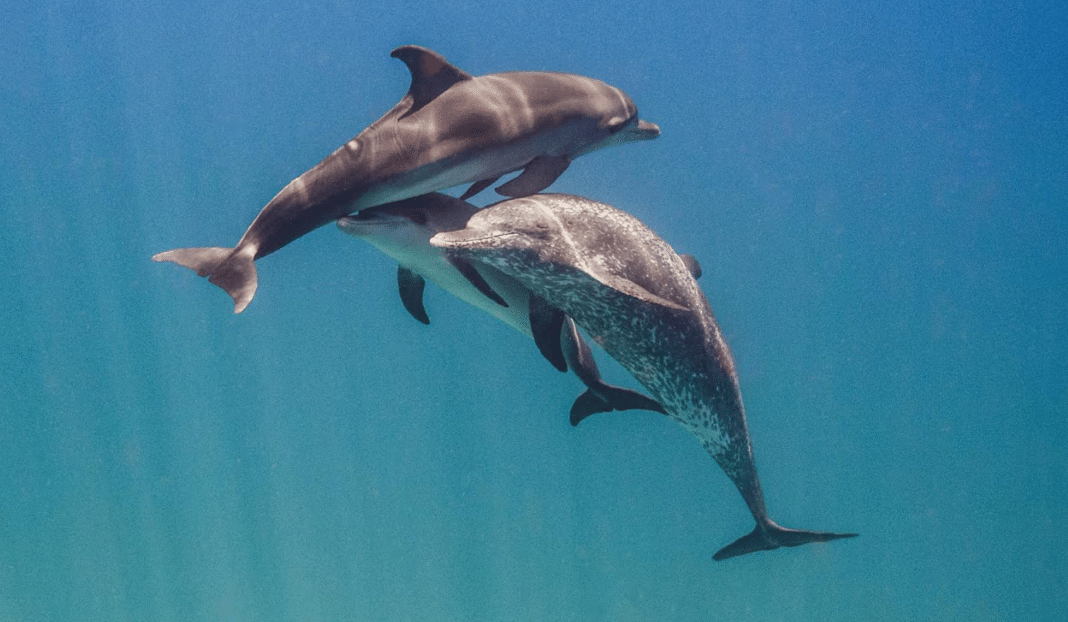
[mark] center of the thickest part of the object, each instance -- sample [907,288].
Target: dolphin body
[449,129]
[403,230]
[635,296]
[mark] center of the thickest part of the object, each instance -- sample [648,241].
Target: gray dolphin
[403,230]
[449,129]
[635,296]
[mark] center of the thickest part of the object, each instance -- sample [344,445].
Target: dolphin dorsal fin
[431,74]
[692,265]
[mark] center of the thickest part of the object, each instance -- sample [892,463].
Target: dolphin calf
[635,296]
[403,230]
[449,129]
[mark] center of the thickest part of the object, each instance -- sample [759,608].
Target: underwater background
[878,194]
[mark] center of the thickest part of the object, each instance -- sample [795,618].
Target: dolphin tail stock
[607,398]
[768,536]
[229,268]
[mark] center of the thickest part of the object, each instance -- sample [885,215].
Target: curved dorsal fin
[431,73]
[692,265]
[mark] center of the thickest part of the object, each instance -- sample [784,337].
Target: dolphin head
[621,130]
[619,122]
[592,114]
[409,223]
[517,231]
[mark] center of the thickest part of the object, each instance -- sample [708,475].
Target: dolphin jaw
[366,223]
[644,130]
[468,241]
[634,131]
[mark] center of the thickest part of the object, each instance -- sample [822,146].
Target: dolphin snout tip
[642,130]
[647,130]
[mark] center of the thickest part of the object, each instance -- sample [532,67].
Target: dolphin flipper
[771,536]
[538,175]
[546,322]
[411,287]
[477,187]
[432,75]
[471,273]
[632,289]
[232,270]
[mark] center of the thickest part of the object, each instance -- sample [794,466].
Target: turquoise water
[879,199]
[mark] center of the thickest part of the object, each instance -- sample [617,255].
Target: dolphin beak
[643,130]
[449,239]
[349,225]
[462,238]
[367,222]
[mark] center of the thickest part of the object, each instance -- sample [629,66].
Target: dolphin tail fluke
[232,270]
[771,536]
[609,398]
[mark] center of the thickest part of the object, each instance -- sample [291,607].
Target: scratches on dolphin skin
[636,297]
[511,107]
[300,187]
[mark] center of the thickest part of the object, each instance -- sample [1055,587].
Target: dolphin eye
[615,124]
[418,218]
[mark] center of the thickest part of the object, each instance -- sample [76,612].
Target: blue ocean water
[878,195]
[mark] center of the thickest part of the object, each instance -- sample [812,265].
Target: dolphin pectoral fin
[411,287]
[632,289]
[432,75]
[231,269]
[472,275]
[538,175]
[692,265]
[772,536]
[607,398]
[546,322]
[477,187]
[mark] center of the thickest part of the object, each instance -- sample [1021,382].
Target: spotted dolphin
[635,296]
[403,230]
[449,129]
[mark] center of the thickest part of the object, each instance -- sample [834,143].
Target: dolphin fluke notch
[771,536]
[233,271]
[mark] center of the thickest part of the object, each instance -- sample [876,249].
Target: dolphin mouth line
[351,223]
[468,242]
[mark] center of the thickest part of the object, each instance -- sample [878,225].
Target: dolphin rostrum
[449,129]
[635,296]
[403,230]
